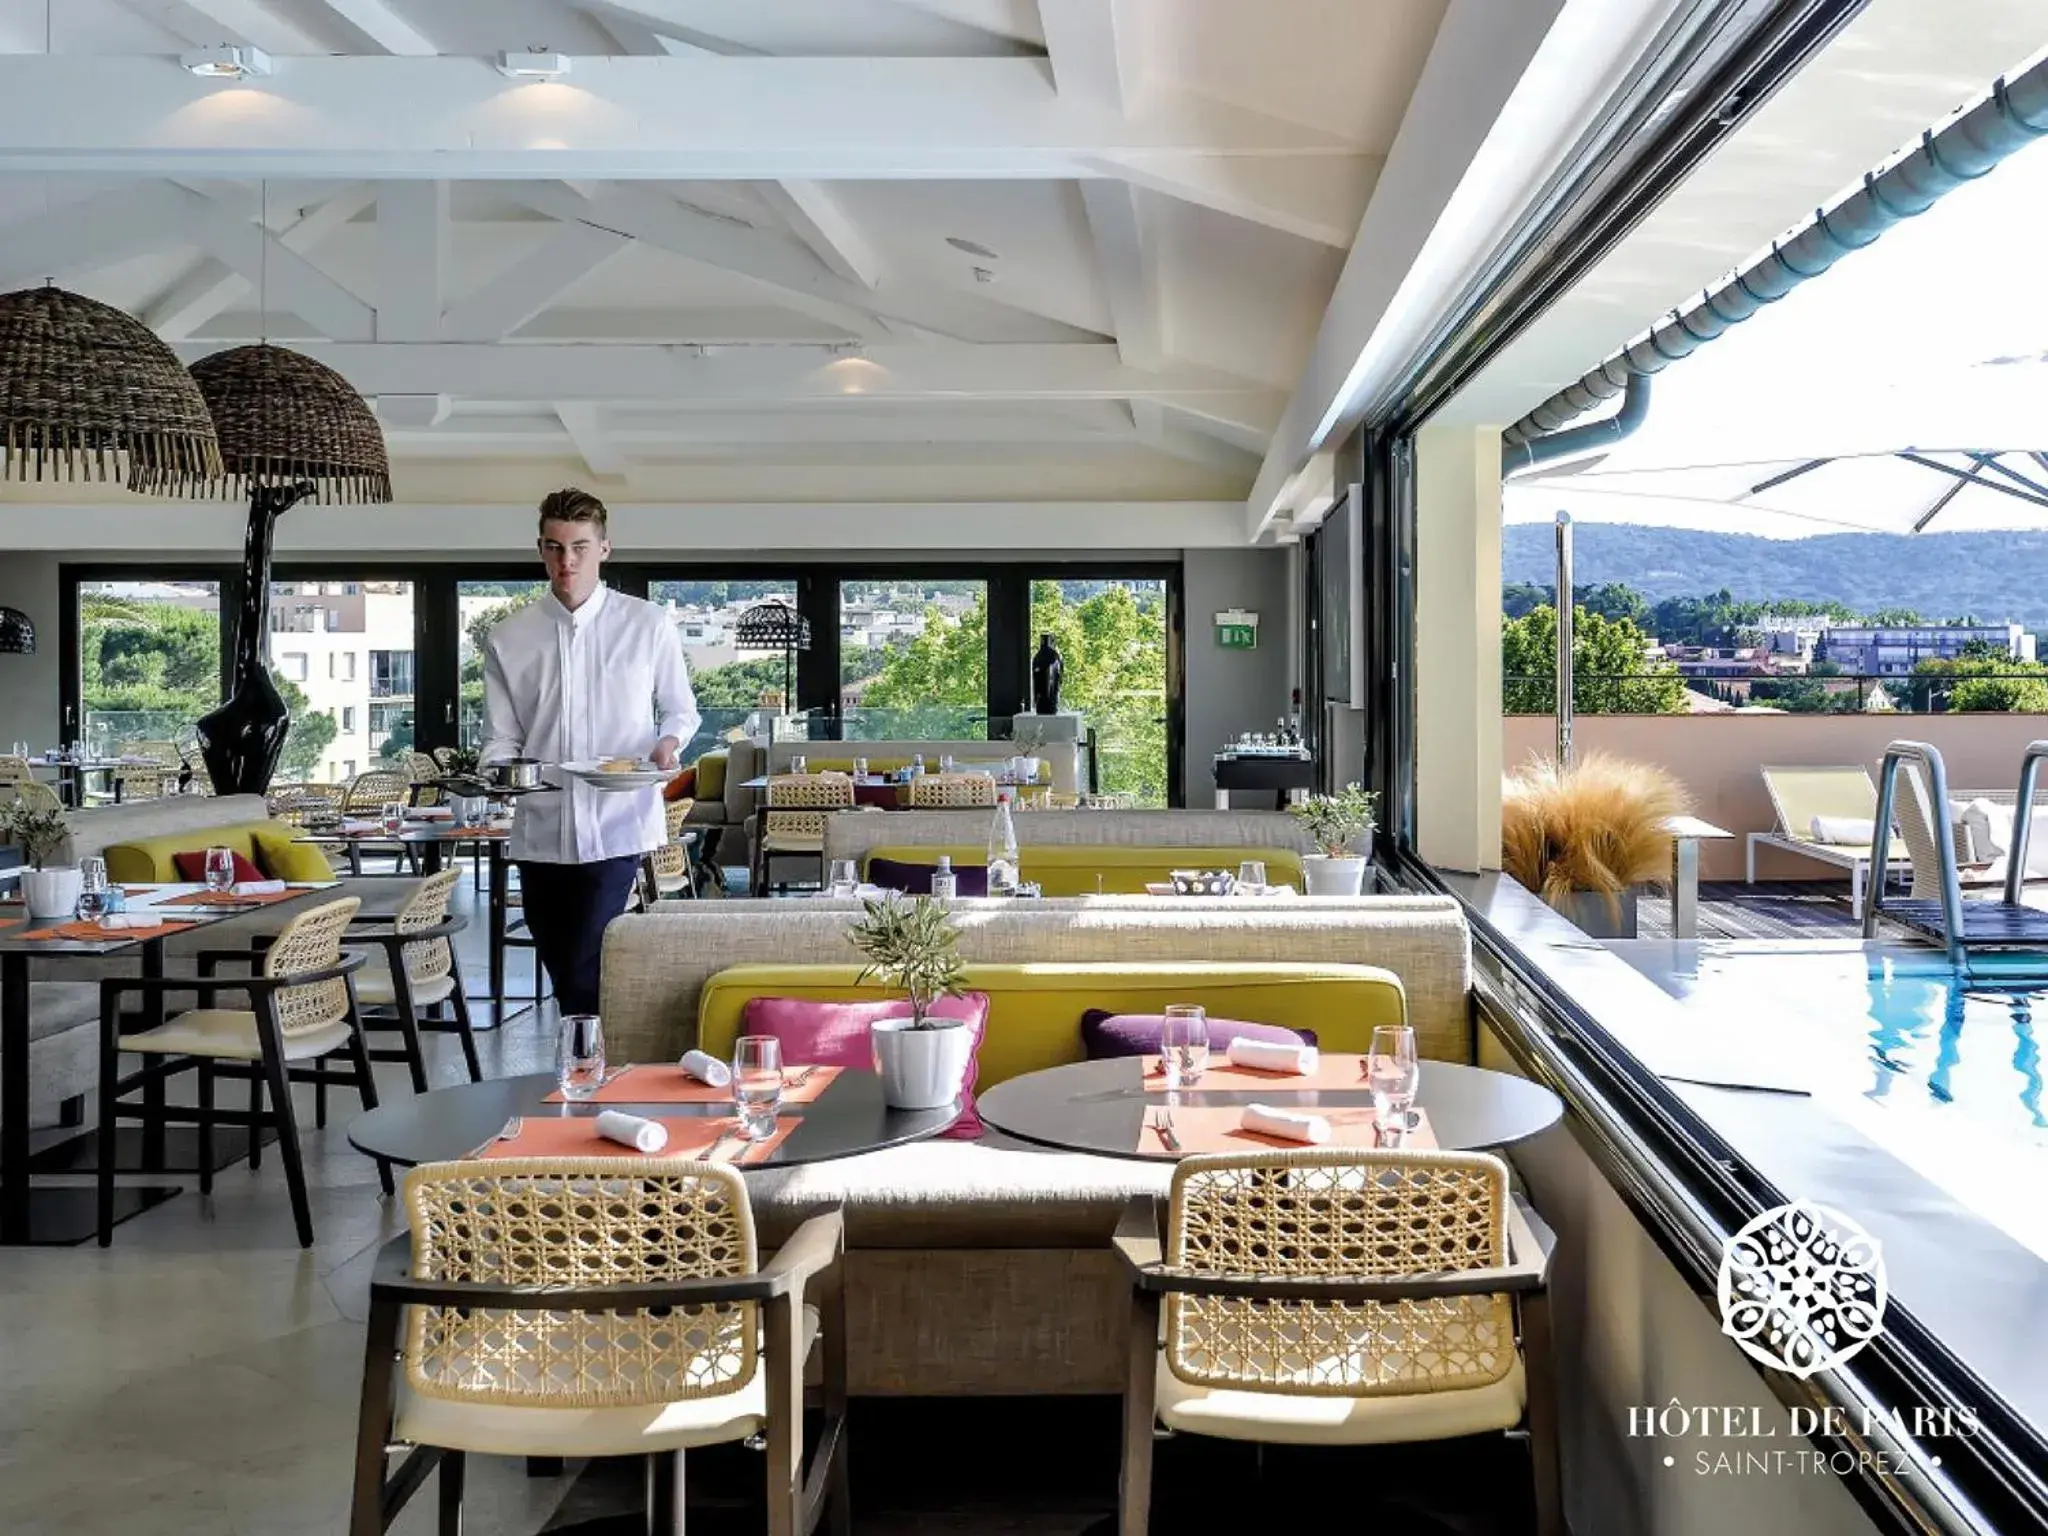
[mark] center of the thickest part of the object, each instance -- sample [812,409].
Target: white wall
[28,684]
[1232,691]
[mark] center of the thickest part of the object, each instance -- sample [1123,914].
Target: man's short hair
[570,505]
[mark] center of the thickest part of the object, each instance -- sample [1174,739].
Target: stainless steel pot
[514,773]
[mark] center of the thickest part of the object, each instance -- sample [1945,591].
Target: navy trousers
[567,907]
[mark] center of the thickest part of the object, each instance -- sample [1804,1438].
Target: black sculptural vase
[241,741]
[1046,669]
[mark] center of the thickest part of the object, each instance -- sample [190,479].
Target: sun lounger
[1802,796]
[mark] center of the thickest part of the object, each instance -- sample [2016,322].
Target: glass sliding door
[480,606]
[342,653]
[1112,638]
[149,660]
[913,659]
[731,684]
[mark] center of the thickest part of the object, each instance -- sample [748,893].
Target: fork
[802,1076]
[711,1152]
[1162,1122]
[506,1132]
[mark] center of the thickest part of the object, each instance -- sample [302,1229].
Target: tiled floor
[199,1378]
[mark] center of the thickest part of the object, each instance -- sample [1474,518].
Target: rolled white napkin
[1288,1124]
[255,887]
[634,1131]
[355,824]
[1270,1056]
[706,1068]
[143,919]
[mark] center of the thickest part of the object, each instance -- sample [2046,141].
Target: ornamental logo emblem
[1802,1288]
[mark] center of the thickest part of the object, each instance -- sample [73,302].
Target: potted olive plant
[922,1060]
[1337,823]
[51,889]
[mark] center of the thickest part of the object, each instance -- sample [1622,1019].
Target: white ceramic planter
[52,892]
[922,1068]
[1326,876]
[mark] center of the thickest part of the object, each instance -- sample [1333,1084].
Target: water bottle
[1002,851]
[917,765]
[945,884]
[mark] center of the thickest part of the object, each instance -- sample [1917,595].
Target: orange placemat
[230,898]
[1216,1128]
[666,1083]
[1335,1069]
[688,1136]
[93,933]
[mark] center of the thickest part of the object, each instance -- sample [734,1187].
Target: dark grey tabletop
[1099,1106]
[446,1124]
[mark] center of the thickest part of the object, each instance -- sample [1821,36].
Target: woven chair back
[444,758]
[421,768]
[376,788]
[146,783]
[1339,1214]
[165,752]
[672,858]
[311,941]
[798,804]
[301,804]
[579,1221]
[37,797]
[937,790]
[15,770]
[430,959]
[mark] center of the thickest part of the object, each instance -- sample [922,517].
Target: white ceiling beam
[212,285]
[293,284]
[1155,430]
[383,26]
[530,285]
[412,259]
[754,119]
[413,413]
[1015,19]
[821,221]
[91,233]
[769,375]
[582,421]
[1319,198]
[1081,43]
[243,21]
[777,263]
[1127,266]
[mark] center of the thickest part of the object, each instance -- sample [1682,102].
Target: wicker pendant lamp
[285,419]
[17,633]
[90,393]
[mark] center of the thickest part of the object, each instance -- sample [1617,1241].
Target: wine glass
[220,869]
[844,879]
[93,898]
[1184,1044]
[579,1055]
[757,1084]
[1393,1076]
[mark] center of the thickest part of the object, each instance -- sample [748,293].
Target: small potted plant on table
[922,1060]
[1337,823]
[50,889]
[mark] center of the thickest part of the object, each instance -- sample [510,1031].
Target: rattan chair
[416,977]
[1337,1297]
[668,871]
[16,770]
[302,1006]
[425,774]
[37,797]
[142,784]
[366,795]
[572,1307]
[444,758]
[936,791]
[792,820]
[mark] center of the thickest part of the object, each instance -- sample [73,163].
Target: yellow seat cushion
[230,1033]
[1069,869]
[711,776]
[1035,1010]
[147,860]
[1289,1418]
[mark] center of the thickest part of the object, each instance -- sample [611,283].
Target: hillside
[1996,576]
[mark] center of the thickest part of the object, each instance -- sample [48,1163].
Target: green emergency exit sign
[1237,630]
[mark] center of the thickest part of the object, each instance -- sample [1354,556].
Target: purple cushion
[916,879]
[837,1035]
[1105,1034]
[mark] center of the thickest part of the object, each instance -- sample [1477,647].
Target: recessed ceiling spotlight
[226,61]
[971,247]
[534,64]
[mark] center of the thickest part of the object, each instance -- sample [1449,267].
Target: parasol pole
[1564,640]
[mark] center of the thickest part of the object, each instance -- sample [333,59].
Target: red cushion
[683,786]
[837,1035]
[192,867]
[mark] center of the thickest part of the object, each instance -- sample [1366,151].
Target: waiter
[584,674]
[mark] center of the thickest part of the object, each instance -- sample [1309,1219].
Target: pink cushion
[837,1035]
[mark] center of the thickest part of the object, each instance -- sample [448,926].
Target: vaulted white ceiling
[747,250]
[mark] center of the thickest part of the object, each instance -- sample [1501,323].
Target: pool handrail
[2023,819]
[1929,759]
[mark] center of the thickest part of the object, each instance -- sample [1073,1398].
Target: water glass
[1393,1075]
[579,1055]
[796,763]
[947,762]
[1251,877]
[220,869]
[393,817]
[757,1084]
[860,767]
[1184,1045]
[845,878]
[93,897]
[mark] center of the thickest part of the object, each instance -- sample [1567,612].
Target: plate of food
[618,774]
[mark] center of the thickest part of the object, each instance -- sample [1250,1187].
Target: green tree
[938,677]
[1113,658]
[737,684]
[1612,672]
[1981,685]
[478,632]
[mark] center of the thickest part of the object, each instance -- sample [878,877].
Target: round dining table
[1109,1107]
[446,1125]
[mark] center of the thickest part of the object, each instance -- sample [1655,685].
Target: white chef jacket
[607,680]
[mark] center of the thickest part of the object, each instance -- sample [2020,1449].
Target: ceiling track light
[534,64]
[226,61]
